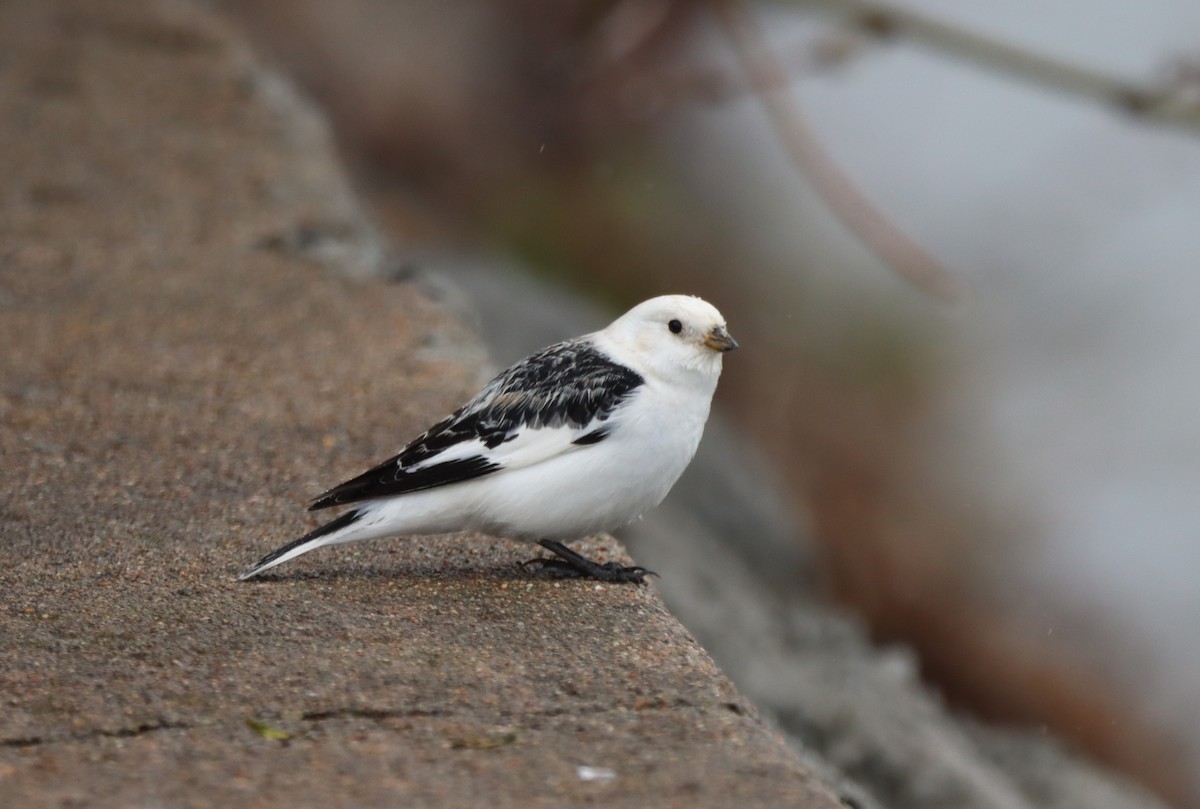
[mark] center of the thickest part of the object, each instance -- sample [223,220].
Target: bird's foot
[572,565]
[610,571]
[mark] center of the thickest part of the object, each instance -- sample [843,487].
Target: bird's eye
[675,326]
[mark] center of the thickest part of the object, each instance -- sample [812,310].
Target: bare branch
[1163,105]
[848,203]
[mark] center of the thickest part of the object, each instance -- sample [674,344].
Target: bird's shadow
[501,572]
[438,560]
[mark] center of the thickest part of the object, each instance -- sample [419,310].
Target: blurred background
[959,242]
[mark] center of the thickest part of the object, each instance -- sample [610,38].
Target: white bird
[581,437]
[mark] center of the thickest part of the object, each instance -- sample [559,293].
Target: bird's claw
[609,571]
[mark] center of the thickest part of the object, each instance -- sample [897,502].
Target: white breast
[599,487]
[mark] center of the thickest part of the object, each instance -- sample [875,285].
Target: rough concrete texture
[186,357]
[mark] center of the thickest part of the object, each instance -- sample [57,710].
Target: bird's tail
[330,533]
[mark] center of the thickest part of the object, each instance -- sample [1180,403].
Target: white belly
[592,488]
[599,487]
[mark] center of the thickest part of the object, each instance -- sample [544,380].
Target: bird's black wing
[570,386]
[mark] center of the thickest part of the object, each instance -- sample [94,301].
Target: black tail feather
[328,528]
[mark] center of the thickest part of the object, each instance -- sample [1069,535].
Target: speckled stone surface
[189,348]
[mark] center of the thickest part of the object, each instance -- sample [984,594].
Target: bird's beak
[720,340]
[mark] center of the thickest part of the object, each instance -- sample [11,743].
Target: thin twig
[770,79]
[1163,105]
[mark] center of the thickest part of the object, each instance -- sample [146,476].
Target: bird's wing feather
[556,401]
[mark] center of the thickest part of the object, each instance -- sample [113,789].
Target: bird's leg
[571,565]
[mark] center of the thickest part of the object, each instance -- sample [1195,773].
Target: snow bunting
[581,437]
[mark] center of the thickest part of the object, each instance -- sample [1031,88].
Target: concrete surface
[190,350]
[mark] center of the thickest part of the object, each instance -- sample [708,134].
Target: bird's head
[674,333]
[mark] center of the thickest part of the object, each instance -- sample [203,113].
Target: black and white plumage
[581,437]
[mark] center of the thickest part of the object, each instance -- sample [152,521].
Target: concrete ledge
[181,368]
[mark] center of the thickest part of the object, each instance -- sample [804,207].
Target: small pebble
[601,774]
